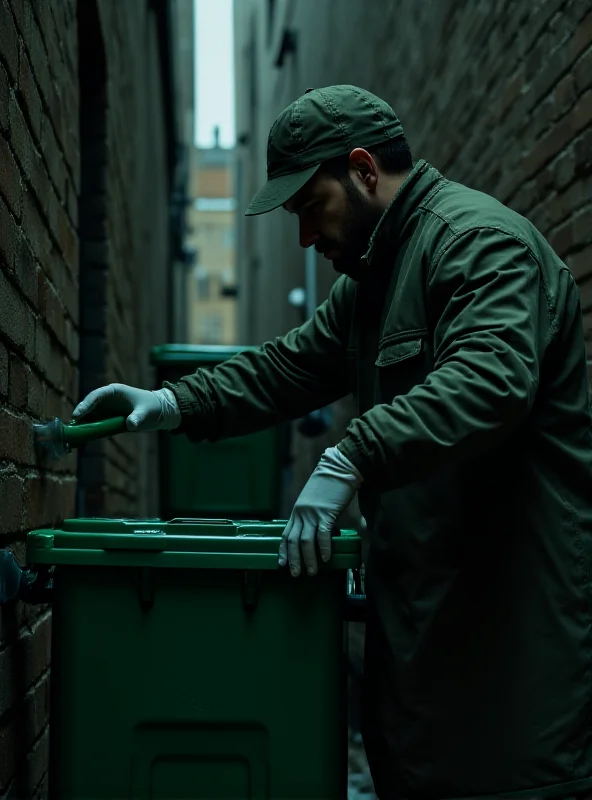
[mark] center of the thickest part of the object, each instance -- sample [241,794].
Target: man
[459,331]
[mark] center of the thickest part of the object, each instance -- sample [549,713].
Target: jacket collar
[390,231]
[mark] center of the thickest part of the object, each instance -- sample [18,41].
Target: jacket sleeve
[304,370]
[485,298]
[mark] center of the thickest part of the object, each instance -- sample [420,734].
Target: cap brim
[277,190]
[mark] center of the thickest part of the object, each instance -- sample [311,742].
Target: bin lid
[194,354]
[193,543]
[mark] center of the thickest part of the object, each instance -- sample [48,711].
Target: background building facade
[211,223]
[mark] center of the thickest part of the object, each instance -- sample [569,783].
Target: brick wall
[42,266]
[496,94]
[124,244]
[38,344]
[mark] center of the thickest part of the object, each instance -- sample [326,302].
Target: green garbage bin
[236,478]
[187,664]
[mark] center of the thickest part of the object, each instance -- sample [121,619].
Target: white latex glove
[329,490]
[148,410]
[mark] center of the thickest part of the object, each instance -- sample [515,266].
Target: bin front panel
[164,685]
[180,671]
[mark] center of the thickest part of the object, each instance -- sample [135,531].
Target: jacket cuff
[353,454]
[189,408]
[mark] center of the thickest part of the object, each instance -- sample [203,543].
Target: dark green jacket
[465,351]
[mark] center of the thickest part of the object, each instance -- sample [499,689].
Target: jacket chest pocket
[401,365]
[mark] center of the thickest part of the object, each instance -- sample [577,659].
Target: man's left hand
[328,492]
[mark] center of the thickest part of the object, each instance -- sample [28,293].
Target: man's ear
[364,166]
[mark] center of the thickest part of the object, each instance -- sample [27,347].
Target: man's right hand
[145,410]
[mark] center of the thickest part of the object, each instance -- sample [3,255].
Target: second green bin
[237,478]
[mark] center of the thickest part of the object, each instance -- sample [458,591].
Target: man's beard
[359,224]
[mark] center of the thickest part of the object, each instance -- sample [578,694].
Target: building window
[226,278]
[204,282]
[210,328]
[215,204]
[228,238]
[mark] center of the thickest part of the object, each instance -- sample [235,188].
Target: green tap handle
[77,433]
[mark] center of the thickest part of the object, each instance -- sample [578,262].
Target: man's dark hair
[393,156]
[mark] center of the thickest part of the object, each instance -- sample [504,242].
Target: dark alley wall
[100,296]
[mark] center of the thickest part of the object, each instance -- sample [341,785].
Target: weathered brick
[564,169]
[14,315]
[65,285]
[36,706]
[511,93]
[583,152]
[29,95]
[18,383]
[20,135]
[562,239]
[582,226]
[538,20]
[58,116]
[70,381]
[564,204]
[526,197]
[546,148]
[21,10]
[11,502]
[72,153]
[586,294]
[50,498]
[41,292]
[10,178]
[581,264]
[38,58]
[37,180]
[36,230]
[16,438]
[564,95]
[66,238]
[42,791]
[24,667]
[4,99]
[35,397]
[36,765]
[54,314]
[583,72]
[54,159]
[44,18]
[560,28]
[7,755]
[9,234]
[25,269]
[8,41]
[48,356]
[72,341]
[582,38]
[37,649]
[553,67]
[72,204]
[582,112]
[3,369]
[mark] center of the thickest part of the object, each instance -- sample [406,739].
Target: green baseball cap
[322,124]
